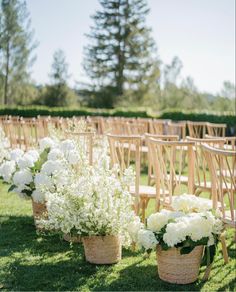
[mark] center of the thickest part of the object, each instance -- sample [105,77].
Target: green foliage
[58,93]
[176,115]
[121,57]
[16,39]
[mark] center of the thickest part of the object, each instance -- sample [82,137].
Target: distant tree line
[121,62]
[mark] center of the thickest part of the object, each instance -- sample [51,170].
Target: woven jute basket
[102,249]
[176,268]
[39,211]
[74,239]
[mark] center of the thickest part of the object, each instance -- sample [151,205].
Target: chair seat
[207,185]
[146,191]
[181,178]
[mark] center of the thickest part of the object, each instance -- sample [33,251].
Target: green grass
[31,261]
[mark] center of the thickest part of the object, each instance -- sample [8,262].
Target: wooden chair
[177,129]
[202,182]
[30,133]
[222,167]
[156,127]
[14,132]
[197,129]
[168,168]
[151,177]
[136,128]
[230,142]
[124,151]
[216,129]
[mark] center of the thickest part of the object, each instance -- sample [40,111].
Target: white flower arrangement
[4,146]
[190,203]
[47,169]
[178,229]
[98,203]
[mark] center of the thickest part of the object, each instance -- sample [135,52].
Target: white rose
[22,177]
[7,169]
[16,154]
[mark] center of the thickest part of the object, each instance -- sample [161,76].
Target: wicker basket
[102,249]
[74,239]
[39,211]
[176,268]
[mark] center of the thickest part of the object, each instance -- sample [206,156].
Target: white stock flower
[73,157]
[147,239]
[67,145]
[7,169]
[22,177]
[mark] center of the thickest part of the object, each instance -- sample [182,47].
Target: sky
[200,32]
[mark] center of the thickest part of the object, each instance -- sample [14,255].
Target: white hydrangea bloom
[16,154]
[22,177]
[52,166]
[147,239]
[38,196]
[190,203]
[46,142]
[6,170]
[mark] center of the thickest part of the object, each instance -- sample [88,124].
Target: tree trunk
[6,75]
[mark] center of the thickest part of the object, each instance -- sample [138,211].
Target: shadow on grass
[34,261]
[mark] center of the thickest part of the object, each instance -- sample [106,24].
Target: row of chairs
[209,168]
[25,132]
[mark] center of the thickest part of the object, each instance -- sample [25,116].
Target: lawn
[31,261]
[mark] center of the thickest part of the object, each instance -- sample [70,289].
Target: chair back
[177,129]
[197,129]
[201,171]
[150,161]
[167,157]
[125,150]
[156,127]
[222,166]
[216,129]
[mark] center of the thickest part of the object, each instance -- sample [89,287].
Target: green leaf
[11,188]
[186,249]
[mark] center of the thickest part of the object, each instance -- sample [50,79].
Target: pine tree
[58,93]
[16,39]
[121,56]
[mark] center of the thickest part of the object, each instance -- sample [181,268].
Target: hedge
[176,115]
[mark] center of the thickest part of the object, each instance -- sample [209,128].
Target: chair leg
[207,273]
[143,209]
[224,248]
